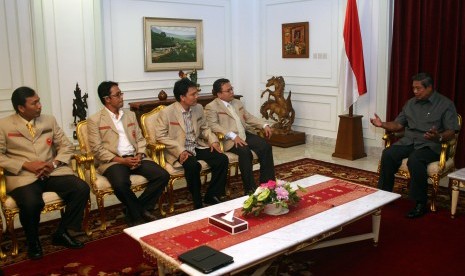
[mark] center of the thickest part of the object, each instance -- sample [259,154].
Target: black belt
[127,155]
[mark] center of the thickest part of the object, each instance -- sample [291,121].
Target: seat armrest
[2,185]
[156,152]
[221,138]
[390,137]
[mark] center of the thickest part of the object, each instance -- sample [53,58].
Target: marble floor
[323,153]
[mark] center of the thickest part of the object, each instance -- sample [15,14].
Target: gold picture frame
[172,44]
[295,40]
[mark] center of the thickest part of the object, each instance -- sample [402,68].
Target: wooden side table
[458,181]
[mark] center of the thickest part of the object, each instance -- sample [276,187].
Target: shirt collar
[113,115]
[431,98]
[26,121]
[225,103]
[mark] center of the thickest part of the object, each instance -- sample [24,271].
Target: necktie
[239,125]
[31,129]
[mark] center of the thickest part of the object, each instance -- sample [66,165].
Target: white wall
[124,44]
[314,82]
[51,45]
[16,51]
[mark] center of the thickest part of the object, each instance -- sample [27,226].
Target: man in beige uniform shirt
[36,161]
[227,115]
[119,149]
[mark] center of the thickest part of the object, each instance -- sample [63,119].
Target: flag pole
[349,143]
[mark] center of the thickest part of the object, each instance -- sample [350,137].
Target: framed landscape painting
[172,44]
[295,40]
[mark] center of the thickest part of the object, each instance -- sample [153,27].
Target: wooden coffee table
[286,240]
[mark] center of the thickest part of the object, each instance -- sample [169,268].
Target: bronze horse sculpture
[280,109]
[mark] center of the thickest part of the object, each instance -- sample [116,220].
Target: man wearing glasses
[227,115]
[182,127]
[119,149]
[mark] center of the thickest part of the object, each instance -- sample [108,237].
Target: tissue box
[236,226]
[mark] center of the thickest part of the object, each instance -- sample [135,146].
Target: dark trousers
[157,177]
[219,165]
[265,157]
[73,191]
[418,160]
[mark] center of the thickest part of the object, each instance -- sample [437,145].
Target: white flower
[258,191]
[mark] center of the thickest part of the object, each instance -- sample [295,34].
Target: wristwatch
[56,165]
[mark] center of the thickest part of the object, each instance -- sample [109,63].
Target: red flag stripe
[353,45]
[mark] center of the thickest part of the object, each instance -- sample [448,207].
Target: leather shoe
[64,239]
[419,210]
[148,217]
[34,250]
[212,200]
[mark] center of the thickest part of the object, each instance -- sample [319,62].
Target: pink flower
[281,183]
[271,184]
[282,193]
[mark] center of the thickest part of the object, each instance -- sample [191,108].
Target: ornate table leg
[455,197]
[376,221]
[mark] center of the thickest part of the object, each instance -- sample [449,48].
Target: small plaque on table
[230,224]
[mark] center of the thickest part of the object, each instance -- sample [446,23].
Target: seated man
[35,154]
[429,118]
[183,129]
[227,115]
[119,149]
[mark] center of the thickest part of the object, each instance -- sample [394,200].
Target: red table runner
[318,198]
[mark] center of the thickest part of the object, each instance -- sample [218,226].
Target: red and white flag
[355,83]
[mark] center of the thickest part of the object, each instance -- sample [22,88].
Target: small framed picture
[295,40]
[172,44]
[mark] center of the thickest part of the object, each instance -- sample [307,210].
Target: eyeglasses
[117,95]
[230,90]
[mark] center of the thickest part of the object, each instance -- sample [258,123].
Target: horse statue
[278,109]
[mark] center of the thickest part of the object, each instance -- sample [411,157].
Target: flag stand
[349,143]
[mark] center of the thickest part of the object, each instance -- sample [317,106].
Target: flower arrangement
[276,192]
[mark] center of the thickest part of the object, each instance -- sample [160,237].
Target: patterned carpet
[289,171]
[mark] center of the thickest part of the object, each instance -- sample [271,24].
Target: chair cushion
[48,197]
[433,168]
[102,183]
[234,158]
[177,169]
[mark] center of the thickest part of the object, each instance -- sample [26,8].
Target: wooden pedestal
[349,143]
[293,138]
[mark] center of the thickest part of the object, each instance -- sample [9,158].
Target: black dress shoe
[148,217]
[64,239]
[212,200]
[34,250]
[419,210]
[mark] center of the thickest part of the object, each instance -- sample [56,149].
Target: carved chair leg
[85,219]
[171,195]
[228,179]
[2,255]
[101,209]
[11,229]
[435,181]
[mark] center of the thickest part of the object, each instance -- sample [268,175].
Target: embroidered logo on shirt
[134,134]
[49,141]
[104,127]
[131,124]
[174,123]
